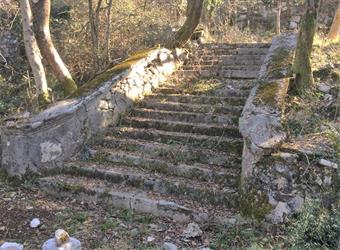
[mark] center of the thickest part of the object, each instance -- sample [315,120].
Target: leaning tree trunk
[302,64]
[33,53]
[335,28]
[194,11]
[278,18]
[41,14]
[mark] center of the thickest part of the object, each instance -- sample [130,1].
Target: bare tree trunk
[108,30]
[33,53]
[41,14]
[194,11]
[278,17]
[335,28]
[94,21]
[302,63]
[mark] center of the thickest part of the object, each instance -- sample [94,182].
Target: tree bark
[108,30]
[335,28]
[278,18]
[302,64]
[41,14]
[194,12]
[33,53]
[94,25]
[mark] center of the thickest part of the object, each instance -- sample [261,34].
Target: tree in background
[194,12]
[335,28]
[302,63]
[278,17]
[33,53]
[41,15]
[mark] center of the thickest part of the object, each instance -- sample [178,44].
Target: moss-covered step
[184,127]
[118,196]
[189,107]
[172,153]
[184,116]
[199,99]
[196,171]
[240,74]
[219,143]
[126,176]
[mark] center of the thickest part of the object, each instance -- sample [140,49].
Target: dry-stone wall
[56,134]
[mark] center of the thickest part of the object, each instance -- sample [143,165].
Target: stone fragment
[150,239]
[192,231]
[327,163]
[11,246]
[296,204]
[324,87]
[62,241]
[327,180]
[169,246]
[35,223]
[277,215]
[293,25]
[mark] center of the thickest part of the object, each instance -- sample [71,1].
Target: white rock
[169,246]
[293,25]
[72,244]
[150,239]
[35,223]
[324,88]
[327,180]
[296,204]
[277,215]
[329,164]
[192,231]
[11,246]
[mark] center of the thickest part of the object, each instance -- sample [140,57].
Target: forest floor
[100,227]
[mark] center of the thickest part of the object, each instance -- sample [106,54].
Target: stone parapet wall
[261,123]
[53,136]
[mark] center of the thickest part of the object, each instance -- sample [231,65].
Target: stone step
[183,116]
[195,74]
[241,67]
[184,127]
[200,67]
[243,74]
[199,99]
[238,51]
[183,188]
[138,161]
[121,197]
[223,91]
[173,153]
[235,45]
[188,107]
[217,143]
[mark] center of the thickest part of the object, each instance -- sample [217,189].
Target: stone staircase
[177,154]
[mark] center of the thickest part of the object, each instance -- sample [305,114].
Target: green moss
[267,92]
[108,74]
[254,205]
[281,59]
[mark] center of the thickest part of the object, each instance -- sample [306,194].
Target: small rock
[293,25]
[319,181]
[327,180]
[324,88]
[277,215]
[328,97]
[11,246]
[35,223]
[192,231]
[296,204]
[329,164]
[134,232]
[169,246]
[150,239]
